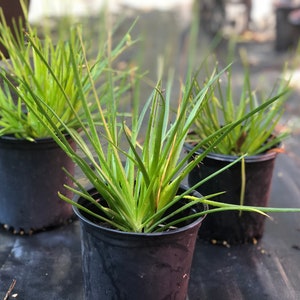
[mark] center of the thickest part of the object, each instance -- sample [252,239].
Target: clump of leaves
[136,165]
[257,134]
[41,68]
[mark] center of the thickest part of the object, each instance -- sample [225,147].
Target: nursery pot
[31,175]
[232,226]
[126,265]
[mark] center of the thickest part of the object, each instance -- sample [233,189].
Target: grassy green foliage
[135,161]
[224,106]
[44,69]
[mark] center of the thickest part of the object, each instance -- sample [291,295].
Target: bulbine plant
[256,135]
[38,67]
[29,71]
[223,106]
[134,161]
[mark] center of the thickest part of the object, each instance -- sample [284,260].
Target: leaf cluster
[39,68]
[134,161]
[223,106]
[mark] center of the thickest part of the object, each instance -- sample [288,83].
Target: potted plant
[137,237]
[138,222]
[31,163]
[249,181]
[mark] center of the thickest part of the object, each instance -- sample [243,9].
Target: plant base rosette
[123,265]
[31,175]
[235,227]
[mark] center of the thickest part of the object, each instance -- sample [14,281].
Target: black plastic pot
[123,265]
[31,175]
[231,226]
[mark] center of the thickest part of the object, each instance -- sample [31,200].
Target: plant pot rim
[107,230]
[230,158]
[10,138]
